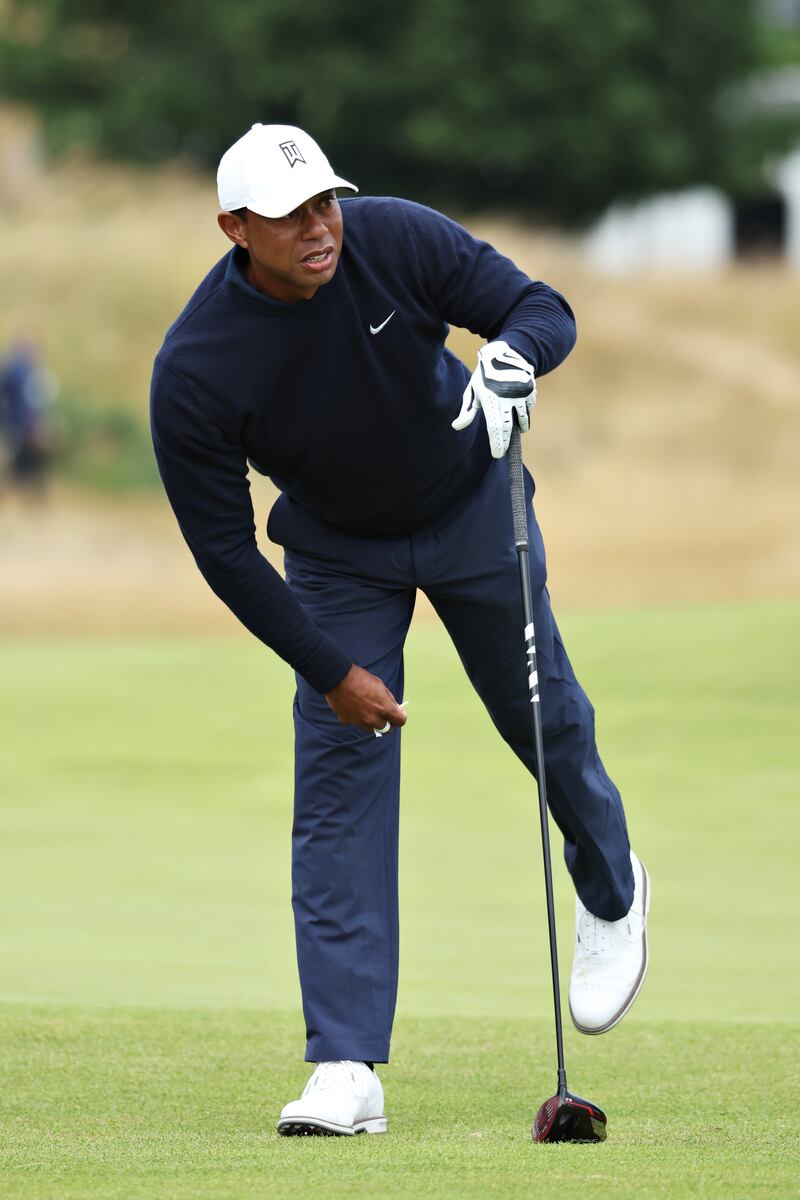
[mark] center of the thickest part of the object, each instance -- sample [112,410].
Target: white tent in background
[787,180]
[690,230]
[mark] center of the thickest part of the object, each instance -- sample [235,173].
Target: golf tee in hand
[387,728]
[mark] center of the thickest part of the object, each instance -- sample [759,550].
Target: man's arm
[205,476]
[529,327]
[475,287]
[204,473]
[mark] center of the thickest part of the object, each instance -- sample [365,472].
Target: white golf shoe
[610,960]
[341,1098]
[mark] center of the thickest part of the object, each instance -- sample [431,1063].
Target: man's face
[291,256]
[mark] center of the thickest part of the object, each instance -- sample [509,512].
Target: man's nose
[313,226]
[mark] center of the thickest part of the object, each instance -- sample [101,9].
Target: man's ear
[234,228]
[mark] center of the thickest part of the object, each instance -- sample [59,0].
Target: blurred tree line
[547,107]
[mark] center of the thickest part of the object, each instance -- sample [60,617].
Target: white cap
[272,169]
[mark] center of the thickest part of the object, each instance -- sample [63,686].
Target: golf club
[563,1117]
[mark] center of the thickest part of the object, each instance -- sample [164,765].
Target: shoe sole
[314,1127]
[637,987]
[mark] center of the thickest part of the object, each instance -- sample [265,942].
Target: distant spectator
[28,392]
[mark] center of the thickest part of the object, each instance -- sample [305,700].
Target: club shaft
[519,507]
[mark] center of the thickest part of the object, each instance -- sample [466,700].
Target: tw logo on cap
[292,153]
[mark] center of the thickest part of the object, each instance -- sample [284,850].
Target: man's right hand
[364,700]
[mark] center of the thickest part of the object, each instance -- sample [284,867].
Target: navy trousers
[361,591]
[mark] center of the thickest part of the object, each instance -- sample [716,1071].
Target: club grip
[516,484]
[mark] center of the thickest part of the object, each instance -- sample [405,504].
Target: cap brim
[270,207]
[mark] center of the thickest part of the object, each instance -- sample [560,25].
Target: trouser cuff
[321,1050]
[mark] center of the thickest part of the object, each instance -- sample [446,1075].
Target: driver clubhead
[569,1118]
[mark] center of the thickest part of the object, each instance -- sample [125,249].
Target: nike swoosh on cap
[378,328]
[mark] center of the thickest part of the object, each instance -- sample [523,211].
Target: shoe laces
[330,1076]
[599,937]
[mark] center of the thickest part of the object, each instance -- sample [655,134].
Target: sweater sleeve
[205,476]
[475,287]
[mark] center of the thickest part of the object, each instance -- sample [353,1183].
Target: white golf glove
[502,384]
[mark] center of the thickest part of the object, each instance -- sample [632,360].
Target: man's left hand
[503,383]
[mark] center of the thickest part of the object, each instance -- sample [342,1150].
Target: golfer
[315,351]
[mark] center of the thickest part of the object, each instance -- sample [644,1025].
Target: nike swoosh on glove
[503,383]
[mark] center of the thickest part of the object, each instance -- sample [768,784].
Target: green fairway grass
[149,1009]
[133,1104]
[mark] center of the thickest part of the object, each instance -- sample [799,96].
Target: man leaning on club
[315,351]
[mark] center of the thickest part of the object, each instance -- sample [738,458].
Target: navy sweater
[353,426]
